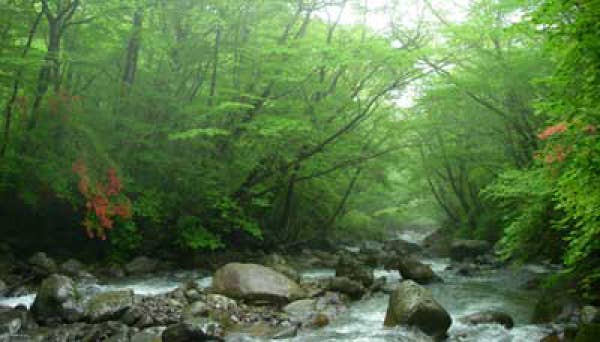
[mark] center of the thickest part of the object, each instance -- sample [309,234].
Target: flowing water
[363,321]
[491,290]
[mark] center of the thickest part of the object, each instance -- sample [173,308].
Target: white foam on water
[12,302]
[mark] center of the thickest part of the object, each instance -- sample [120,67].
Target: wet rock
[348,267]
[42,264]
[590,314]
[153,311]
[462,249]
[465,269]
[288,271]
[141,265]
[12,320]
[285,333]
[220,302]
[301,310]
[153,334]
[196,309]
[413,269]
[73,268]
[352,288]
[110,305]
[320,320]
[401,247]
[413,305]
[193,331]
[115,271]
[255,282]
[555,306]
[57,300]
[489,317]
[438,243]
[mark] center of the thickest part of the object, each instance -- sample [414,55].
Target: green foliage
[194,236]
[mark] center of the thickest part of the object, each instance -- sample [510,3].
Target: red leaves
[552,130]
[104,201]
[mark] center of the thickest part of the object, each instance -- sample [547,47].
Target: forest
[224,130]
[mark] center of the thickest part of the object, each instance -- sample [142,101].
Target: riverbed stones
[255,282]
[413,269]
[462,249]
[413,305]
[489,317]
[57,300]
[109,305]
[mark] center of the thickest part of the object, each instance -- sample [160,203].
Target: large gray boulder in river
[57,301]
[463,249]
[413,305]
[255,282]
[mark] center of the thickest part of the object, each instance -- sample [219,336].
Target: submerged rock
[462,249]
[487,317]
[413,305]
[57,300]
[413,269]
[255,282]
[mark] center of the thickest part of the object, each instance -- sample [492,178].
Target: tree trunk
[8,110]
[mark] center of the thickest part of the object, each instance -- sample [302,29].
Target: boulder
[193,331]
[73,268]
[348,267]
[255,283]
[107,306]
[413,269]
[42,264]
[461,249]
[489,317]
[57,300]
[352,288]
[413,305]
[141,265]
[401,247]
[301,310]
